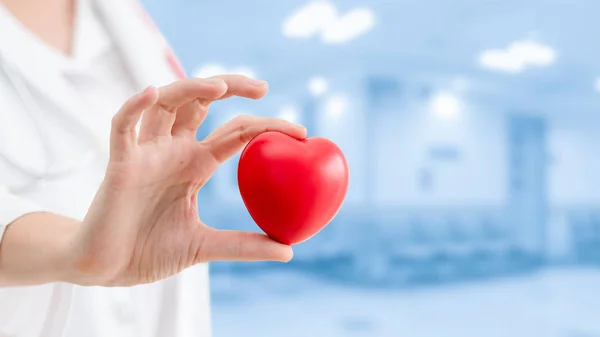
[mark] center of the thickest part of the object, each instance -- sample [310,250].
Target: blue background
[470,128]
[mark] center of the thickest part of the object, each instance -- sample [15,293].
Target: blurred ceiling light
[517,57]
[213,69]
[309,20]
[350,26]
[290,114]
[446,106]
[318,86]
[246,71]
[533,53]
[336,106]
[597,85]
[209,70]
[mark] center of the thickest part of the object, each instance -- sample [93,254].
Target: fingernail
[301,127]
[257,83]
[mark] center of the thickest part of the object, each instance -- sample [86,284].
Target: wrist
[87,263]
[69,258]
[72,268]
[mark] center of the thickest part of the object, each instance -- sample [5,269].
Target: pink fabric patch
[175,65]
[169,55]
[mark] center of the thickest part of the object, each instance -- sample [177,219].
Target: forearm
[37,249]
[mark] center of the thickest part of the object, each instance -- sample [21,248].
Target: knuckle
[199,252]
[238,249]
[243,124]
[244,136]
[199,112]
[217,80]
[168,109]
[218,83]
[115,123]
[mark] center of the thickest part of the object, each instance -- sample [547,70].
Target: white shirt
[101,83]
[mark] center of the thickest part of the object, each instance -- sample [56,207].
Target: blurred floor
[552,303]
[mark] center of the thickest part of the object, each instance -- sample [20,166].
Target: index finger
[190,116]
[231,137]
[243,86]
[179,93]
[207,90]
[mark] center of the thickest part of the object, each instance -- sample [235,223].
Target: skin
[52,21]
[143,225]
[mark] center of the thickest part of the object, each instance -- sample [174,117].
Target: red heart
[292,188]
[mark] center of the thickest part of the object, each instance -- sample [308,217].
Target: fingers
[180,107]
[231,137]
[238,85]
[191,115]
[159,120]
[178,93]
[225,245]
[123,134]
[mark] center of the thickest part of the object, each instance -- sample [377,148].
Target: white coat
[177,307]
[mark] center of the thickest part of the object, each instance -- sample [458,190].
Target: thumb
[227,245]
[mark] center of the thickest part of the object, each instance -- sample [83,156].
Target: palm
[167,239]
[143,225]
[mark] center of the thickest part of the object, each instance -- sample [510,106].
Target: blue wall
[471,129]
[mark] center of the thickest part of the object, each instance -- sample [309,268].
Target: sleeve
[22,310]
[185,304]
[13,207]
[13,130]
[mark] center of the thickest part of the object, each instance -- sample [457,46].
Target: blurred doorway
[527,185]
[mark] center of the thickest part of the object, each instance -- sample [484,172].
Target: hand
[143,225]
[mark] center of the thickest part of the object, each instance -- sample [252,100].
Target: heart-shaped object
[292,188]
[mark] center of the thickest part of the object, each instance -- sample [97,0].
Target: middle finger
[191,115]
[158,120]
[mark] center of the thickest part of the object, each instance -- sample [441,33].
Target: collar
[90,41]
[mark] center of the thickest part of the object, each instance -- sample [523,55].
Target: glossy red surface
[292,188]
